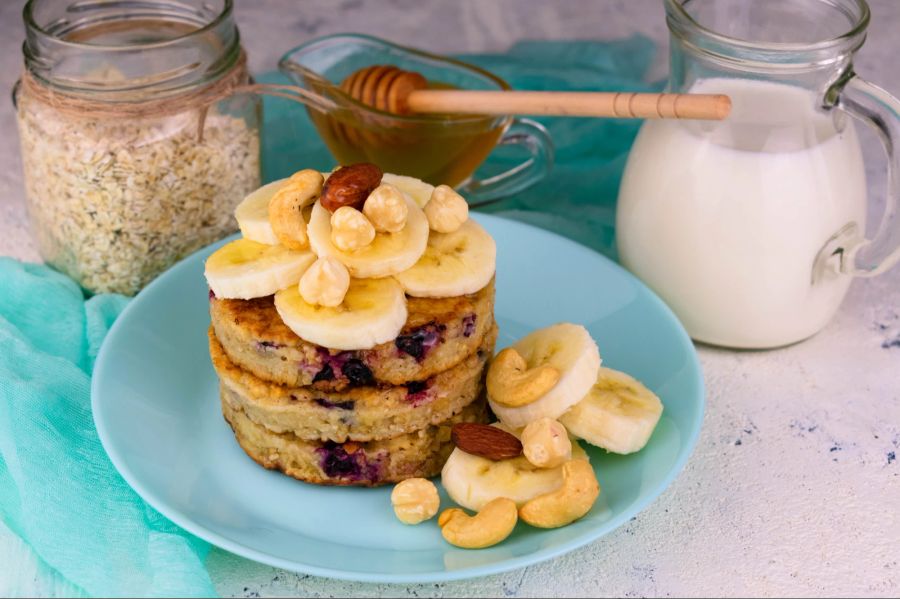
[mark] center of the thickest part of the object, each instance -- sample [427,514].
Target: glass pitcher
[751,229]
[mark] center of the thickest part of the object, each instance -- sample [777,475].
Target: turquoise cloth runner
[58,489]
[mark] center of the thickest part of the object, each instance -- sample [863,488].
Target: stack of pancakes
[365,417]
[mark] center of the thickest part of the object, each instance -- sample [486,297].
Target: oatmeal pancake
[418,454]
[439,334]
[358,413]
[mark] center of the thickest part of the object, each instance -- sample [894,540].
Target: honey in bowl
[435,148]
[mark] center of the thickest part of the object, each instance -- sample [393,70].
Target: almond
[350,186]
[485,441]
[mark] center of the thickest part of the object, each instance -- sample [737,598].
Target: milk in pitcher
[725,220]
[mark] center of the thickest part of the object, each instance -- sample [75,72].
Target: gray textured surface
[794,486]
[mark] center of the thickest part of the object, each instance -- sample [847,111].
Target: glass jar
[135,144]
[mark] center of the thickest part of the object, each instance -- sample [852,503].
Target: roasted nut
[350,186]
[492,524]
[511,383]
[415,500]
[304,178]
[546,444]
[286,208]
[485,441]
[446,210]
[386,209]
[325,283]
[350,229]
[570,502]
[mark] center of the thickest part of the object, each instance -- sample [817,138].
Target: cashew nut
[546,443]
[325,283]
[386,209]
[492,524]
[446,210]
[570,502]
[511,383]
[350,229]
[415,500]
[286,208]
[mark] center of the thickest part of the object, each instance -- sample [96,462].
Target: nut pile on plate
[548,390]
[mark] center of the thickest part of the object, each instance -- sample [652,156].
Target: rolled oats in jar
[137,142]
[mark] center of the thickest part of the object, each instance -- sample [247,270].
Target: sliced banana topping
[373,312]
[569,349]
[453,264]
[244,269]
[387,255]
[618,414]
[252,214]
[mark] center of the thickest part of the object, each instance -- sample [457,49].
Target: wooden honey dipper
[402,92]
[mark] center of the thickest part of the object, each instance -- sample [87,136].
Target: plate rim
[514,563]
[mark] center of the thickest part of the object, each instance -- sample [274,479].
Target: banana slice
[618,414]
[244,269]
[453,264]
[252,214]
[388,254]
[570,349]
[418,190]
[373,312]
[473,481]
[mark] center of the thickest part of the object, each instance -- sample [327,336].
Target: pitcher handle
[854,254]
[533,137]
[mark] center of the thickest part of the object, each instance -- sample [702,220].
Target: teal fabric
[578,198]
[58,489]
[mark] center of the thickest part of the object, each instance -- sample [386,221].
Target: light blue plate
[156,406]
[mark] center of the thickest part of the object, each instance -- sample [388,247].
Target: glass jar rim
[683,24]
[32,25]
[48,47]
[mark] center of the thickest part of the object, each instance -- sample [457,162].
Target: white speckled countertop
[794,488]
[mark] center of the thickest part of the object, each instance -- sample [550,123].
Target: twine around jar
[235,81]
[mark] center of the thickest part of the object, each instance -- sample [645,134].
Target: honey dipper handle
[595,104]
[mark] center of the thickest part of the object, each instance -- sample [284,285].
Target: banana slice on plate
[252,214]
[387,255]
[373,312]
[244,269]
[570,349]
[473,481]
[418,190]
[453,264]
[618,414]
